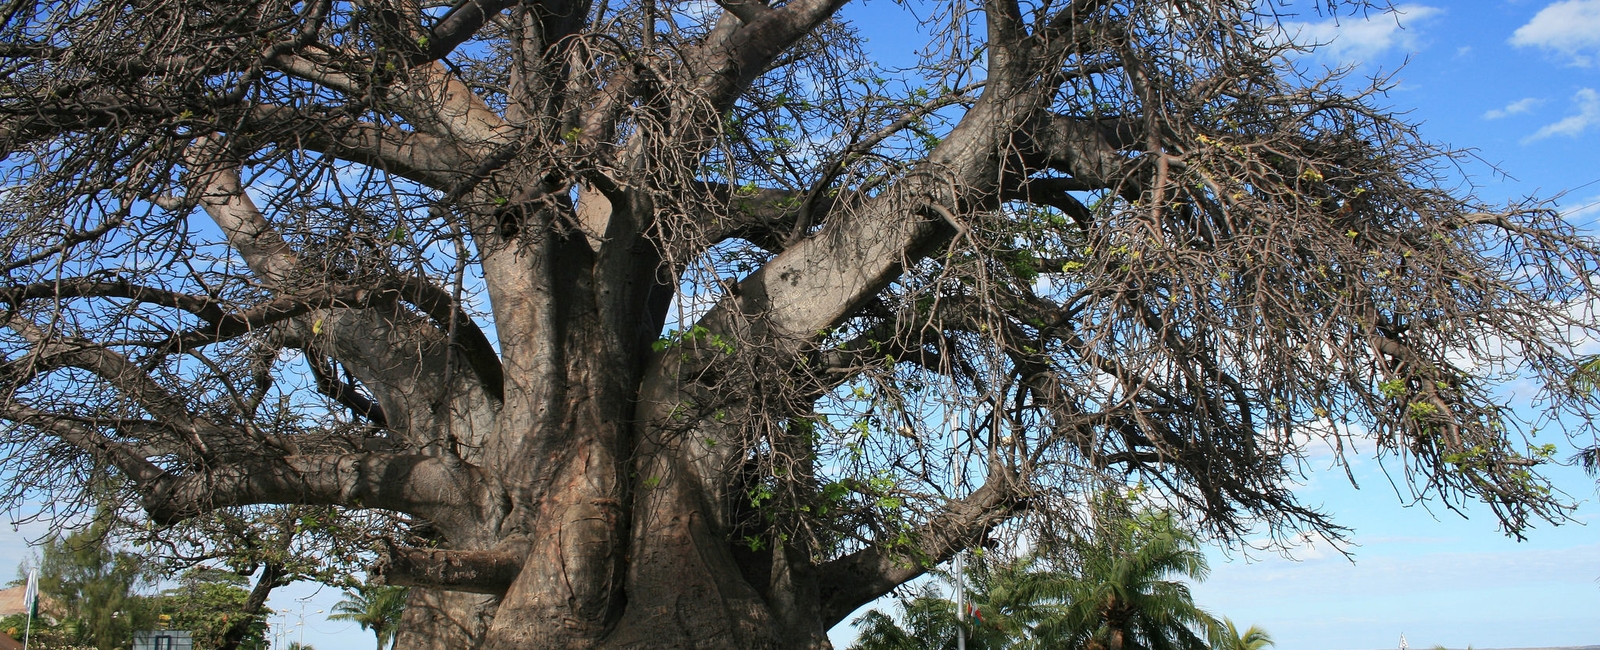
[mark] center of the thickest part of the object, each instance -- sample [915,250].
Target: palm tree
[1121,595]
[879,631]
[1226,636]
[1010,597]
[1111,590]
[929,624]
[375,608]
[995,617]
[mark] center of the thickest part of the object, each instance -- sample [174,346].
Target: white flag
[30,596]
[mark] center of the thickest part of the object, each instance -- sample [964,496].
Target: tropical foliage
[1226,636]
[928,623]
[92,598]
[1119,587]
[373,607]
[97,587]
[1126,592]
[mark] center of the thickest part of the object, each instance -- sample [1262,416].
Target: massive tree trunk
[615,494]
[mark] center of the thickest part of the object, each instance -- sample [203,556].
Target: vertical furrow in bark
[685,589]
[795,598]
[792,591]
[567,593]
[559,445]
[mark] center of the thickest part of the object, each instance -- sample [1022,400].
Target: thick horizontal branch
[429,299]
[424,486]
[481,572]
[858,578]
[239,323]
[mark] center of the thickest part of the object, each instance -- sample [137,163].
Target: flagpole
[961,604]
[957,564]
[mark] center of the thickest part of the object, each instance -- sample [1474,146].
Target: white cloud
[1356,39]
[1514,108]
[1588,105]
[1589,207]
[1571,27]
[1405,569]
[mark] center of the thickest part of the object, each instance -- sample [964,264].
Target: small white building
[162,640]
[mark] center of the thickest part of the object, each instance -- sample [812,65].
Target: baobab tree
[651,324]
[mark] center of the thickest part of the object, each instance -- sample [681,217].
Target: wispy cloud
[1569,27]
[1401,570]
[1514,108]
[1587,102]
[1354,40]
[1581,210]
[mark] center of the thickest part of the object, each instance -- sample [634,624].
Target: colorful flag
[30,596]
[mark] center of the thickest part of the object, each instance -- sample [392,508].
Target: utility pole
[281,635]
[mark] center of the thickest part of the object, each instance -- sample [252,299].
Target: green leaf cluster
[208,603]
[373,607]
[1120,586]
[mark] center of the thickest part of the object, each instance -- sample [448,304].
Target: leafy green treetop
[374,607]
[1226,636]
[209,603]
[929,621]
[1126,592]
[97,586]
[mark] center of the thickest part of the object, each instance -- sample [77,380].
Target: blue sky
[1518,82]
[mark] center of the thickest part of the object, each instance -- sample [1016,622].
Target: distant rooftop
[11,602]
